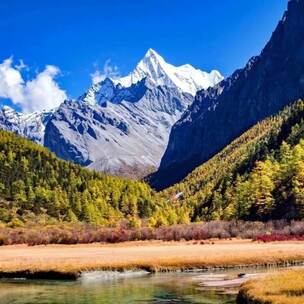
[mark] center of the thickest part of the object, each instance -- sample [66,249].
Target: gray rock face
[121,126]
[116,135]
[220,114]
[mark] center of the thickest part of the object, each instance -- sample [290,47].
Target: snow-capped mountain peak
[152,56]
[158,73]
[185,77]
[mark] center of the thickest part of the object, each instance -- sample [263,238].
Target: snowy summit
[185,77]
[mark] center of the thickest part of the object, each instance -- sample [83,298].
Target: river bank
[69,261]
[283,287]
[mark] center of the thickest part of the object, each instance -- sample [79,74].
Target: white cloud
[108,70]
[43,92]
[40,93]
[11,82]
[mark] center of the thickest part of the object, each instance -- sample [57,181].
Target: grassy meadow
[284,287]
[147,255]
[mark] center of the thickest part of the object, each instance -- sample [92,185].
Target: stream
[219,287]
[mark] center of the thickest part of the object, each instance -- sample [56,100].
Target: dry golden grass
[284,287]
[146,255]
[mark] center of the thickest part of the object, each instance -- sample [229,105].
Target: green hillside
[33,181]
[260,175]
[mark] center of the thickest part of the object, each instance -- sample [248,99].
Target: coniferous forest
[35,181]
[259,176]
[256,177]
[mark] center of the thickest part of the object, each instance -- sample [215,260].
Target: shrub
[67,233]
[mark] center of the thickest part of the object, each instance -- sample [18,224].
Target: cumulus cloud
[108,70]
[39,93]
[43,92]
[11,82]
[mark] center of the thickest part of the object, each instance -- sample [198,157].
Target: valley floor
[68,261]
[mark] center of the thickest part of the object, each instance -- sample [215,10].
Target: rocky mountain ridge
[263,87]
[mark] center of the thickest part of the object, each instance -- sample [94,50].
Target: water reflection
[154,289]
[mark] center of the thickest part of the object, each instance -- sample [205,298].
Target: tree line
[259,176]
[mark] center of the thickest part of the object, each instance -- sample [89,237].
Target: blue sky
[79,36]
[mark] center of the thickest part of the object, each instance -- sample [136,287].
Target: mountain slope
[121,126]
[33,181]
[220,114]
[30,125]
[118,137]
[257,176]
